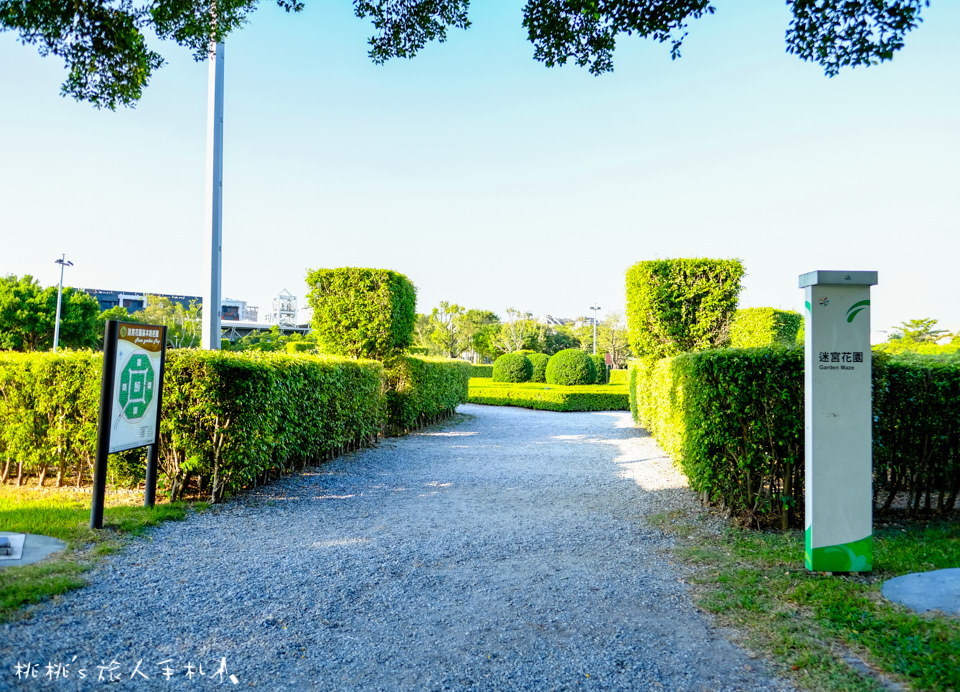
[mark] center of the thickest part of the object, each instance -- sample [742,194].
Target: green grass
[550,397]
[832,632]
[65,514]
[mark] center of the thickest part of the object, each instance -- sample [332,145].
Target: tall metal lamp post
[63,262]
[595,311]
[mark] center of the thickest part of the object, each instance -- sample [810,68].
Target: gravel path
[506,550]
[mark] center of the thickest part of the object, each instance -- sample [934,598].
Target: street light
[63,262]
[595,311]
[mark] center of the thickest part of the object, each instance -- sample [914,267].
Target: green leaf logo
[856,309]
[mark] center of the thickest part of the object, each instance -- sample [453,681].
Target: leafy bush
[423,390]
[600,366]
[553,398]
[362,313]
[571,366]
[754,327]
[512,367]
[680,305]
[539,362]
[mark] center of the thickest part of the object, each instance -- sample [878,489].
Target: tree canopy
[28,316]
[108,61]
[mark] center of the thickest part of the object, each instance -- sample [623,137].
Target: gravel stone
[505,550]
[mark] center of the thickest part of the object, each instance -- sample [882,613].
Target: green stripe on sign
[807,303]
[846,557]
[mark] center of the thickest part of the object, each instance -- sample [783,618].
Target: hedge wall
[422,390]
[916,431]
[754,327]
[481,371]
[619,377]
[733,421]
[550,398]
[229,420]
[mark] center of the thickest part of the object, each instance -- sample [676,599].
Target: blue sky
[491,180]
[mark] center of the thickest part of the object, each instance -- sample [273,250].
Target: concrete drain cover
[923,591]
[26,548]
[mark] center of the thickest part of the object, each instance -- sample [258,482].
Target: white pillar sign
[838,429]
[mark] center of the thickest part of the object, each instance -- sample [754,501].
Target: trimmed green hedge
[229,419]
[512,367]
[754,327]
[732,419]
[916,431]
[550,397]
[571,366]
[539,362]
[619,377]
[423,390]
[481,371]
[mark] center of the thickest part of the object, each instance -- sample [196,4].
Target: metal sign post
[130,399]
[838,427]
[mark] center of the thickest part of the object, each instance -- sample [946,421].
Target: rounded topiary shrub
[571,366]
[539,361]
[600,364]
[512,367]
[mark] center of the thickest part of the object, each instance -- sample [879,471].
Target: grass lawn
[828,632]
[65,514]
[550,397]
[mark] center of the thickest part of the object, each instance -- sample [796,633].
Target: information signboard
[135,415]
[838,430]
[131,394]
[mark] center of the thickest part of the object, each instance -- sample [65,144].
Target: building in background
[134,301]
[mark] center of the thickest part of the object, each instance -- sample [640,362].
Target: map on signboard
[136,386]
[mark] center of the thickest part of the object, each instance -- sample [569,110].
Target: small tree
[520,331]
[449,329]
[28,316]
[184,324]
[612,339]
[362,313]
[920,331]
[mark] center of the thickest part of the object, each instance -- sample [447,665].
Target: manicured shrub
[423,390]
[600,366]
[539,361]
[680,305]
[755,327]
[362,313]
[571,366]
[553,398]
[512,367]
